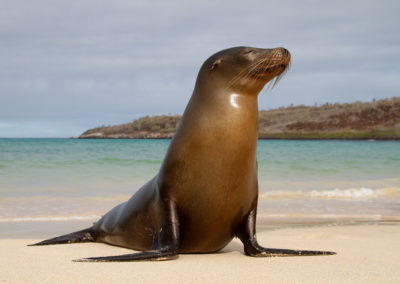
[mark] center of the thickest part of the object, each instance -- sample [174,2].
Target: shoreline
[377,139]
[272,137]
[39,229]
[365,254]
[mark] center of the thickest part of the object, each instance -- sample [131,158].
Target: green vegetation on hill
[372,120]
[162,126]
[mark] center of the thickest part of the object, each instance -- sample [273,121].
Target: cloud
[105,62]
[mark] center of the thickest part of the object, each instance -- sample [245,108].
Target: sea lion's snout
[272,64]
[281,54]
[283,51]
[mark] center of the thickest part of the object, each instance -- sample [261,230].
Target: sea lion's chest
[209,217]
[214,192]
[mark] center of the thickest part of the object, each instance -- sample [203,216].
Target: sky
[67,66]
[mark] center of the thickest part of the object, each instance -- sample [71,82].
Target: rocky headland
[378,120]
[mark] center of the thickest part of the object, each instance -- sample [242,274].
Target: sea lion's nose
[283,53]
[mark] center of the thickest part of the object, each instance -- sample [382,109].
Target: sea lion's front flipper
[252,248]
[165,242]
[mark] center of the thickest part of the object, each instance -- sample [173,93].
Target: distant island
[378,120]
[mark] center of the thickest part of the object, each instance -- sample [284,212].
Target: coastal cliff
[369,120]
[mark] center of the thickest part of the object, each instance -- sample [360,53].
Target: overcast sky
[66,66]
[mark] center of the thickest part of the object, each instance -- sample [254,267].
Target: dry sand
[365,254]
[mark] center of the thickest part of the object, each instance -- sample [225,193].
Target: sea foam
[336,193]
[352,193]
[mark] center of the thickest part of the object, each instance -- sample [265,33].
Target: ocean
[301,183]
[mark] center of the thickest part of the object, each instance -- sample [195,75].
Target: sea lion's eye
[249,51]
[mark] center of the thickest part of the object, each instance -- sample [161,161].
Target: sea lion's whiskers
[262,64]
[248,72]
[269,63]
[274,81]
[280,76]
[244,73]
[265,64]
[236,78]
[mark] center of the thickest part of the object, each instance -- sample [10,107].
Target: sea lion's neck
[218,128]
[224,106]
[215,114]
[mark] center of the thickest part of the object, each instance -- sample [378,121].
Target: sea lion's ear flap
[215,64]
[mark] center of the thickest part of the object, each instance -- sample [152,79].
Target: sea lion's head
[245,70]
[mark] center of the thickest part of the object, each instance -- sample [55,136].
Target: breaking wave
[337,193]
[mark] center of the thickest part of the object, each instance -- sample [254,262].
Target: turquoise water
[347,160]
[67,179]
[55,167]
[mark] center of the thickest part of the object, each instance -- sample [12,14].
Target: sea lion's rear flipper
[252,248]
[86,235]
[140,256]
[165,242]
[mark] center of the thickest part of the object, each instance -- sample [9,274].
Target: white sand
[366,254]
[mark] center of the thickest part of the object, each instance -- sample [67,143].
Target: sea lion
[206,191]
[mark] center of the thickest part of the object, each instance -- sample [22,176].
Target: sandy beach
[365,254]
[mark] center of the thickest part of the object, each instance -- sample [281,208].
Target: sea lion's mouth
[273,72]
[268,69]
